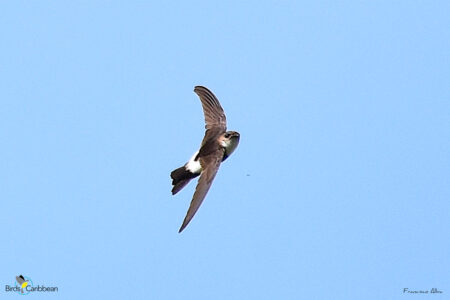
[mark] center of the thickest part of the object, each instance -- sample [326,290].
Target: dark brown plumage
[216,146]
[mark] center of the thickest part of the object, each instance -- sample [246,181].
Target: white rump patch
[194,166]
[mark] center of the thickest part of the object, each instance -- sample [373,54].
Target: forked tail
[181,177]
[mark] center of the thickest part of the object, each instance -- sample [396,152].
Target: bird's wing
[210,165]
[214,114]
[20,280]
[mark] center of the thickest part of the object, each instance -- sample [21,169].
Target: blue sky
[339,188]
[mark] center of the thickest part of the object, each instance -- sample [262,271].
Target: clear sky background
[339,188]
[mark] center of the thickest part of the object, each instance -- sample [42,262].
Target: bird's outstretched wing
[20,279]
[214,114]
[210,165]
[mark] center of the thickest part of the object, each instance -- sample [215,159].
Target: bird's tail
[181,177]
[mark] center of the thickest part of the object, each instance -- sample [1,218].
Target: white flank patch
[194,166]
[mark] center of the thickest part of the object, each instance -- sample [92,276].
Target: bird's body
[22,282]
[217,145]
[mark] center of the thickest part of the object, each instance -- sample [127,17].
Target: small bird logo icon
[23,283]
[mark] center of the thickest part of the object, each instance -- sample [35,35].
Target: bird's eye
[227,135]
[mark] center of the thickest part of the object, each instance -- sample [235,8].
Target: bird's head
[229,140]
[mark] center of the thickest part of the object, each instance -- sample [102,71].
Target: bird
[22,282]
[217,145]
